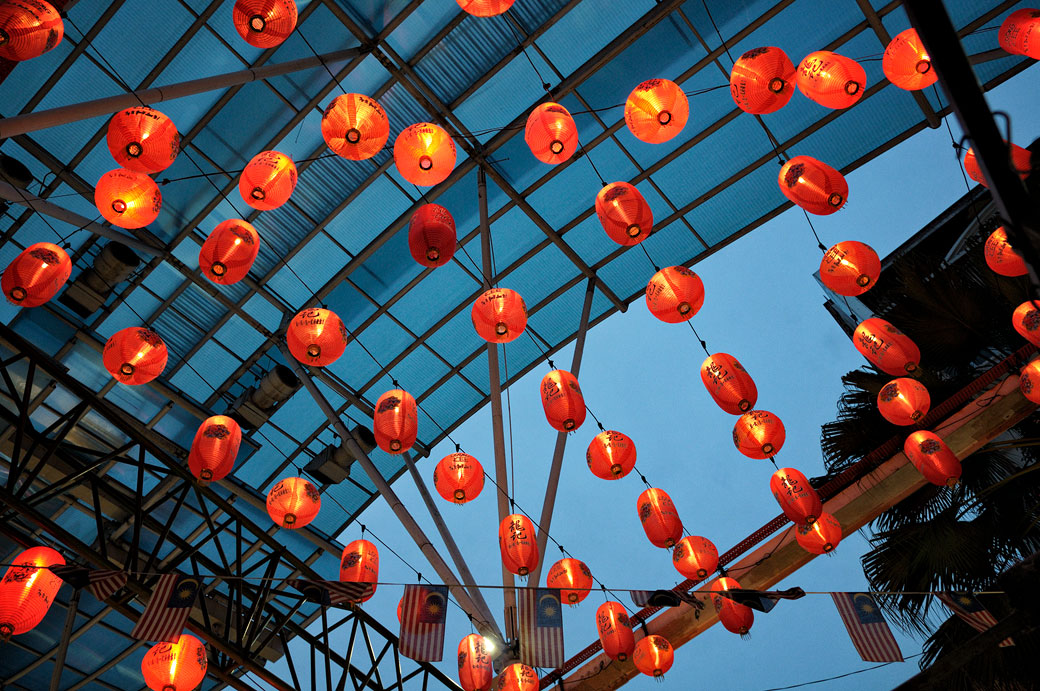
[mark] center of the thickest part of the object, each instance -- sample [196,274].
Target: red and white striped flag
[541,627]
[967,607]
[102,583]
[867,628]
[423,612]
[164,617]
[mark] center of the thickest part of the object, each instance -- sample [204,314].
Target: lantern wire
[839,676]
[509,414]
[718,33]
[704,345]
[509,19]
[649,258]
[819,243]
[324,64]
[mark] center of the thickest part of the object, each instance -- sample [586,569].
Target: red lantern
[1021,161]
[214,448]
[475,672]
[1029,381]
[850,268]
[903,401]
[796,496]
[458,477]
[135,355]
[179,666]
[424,154]
[759,434]
[516,541]
[695,557]
[656,111]
[36,274]
[932,458]
[737,618]
[562,401]
[611,455]
[431,235]
[624,214]
[660,520]
[293,503]
[572,577]
[1026,321]
[499,315]
[886,347]
[762,80]
[906,63]
[653,655]
[143,140]
[551,133]
[615,631]
[1001,257]
[229,251]
[27,590]
[518,677]
[395,422]
[1020,33]
[674,294]
[360,564]
[28,29]
[127,199]
[832,80]
[813,185]
[821,537]
[264,23]
[355,126]
[728,383]
[485,8]
[268,180]
[316,336]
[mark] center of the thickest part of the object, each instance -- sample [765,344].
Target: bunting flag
[423,611]
[331,593]
[541,627]
[102,583]
[967,607]
[867,628]
[164,617]
[655,598]
[762,600]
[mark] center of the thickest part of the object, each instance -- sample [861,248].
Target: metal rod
[66,636]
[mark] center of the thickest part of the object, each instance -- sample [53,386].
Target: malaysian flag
[331,593]
[867,628]
[102,583]
[423,611]
[967,607]
[541,627]
[164,617]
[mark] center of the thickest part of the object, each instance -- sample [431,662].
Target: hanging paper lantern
[611,455]
[27,590]
[932,458]
[316,336]
[518,677]
[268,180]
[695,557]
[551,133]
[796,496]
[516,541]
[485,8]
[759,434]
[499,315]
[355,126]
[229,251]
[459,477]
[1021,163]
[737,618]
[674,294]
[28,29]
[850,268]
[903,401]
[360,564]
[762,80]
[1001,257]
[214,448]
[395,422]
[659,518]
[624,214]
[906,62]
[179,666]
[424,154]
[127,199]
[813,185]
[886,347]
[728,383]
[1026,321]
[1029,381]
[832,80]
[572,577]
[36,274]
[656,111]
[264,23]
[293,503]
[431,235]
[562,401]
[143,140]
[821,537]
[475,671]
[135,355]
[653,655]
[615,631]
[1020,33]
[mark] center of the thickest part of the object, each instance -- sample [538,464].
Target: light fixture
[332,464]
[88,292]
[257,403]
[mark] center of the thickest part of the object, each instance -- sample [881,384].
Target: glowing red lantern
[516,541]
[316,336]
[906,62]
[653,655]
[659,517]
[737,618]
[762,80]
[268,180]
[695,557]
[674,294]
[459,477]
[611,455]
[228,253]
[759,434]
[932,458]
[1029,381]
[624,214]
[832,80]
[813,185]
[36,274]
[179,666]
[424,154]
[518,677]
[485,8]
[886,347]
[28,29]
[615,631]
[127,199]
[1020,161]
[135,355]
[143,140]
[27,590]
[572,577]
[796,496]
[1001,257]
[355,126]
[551,133]
[1020,33]
[821,537]
[728,383]
[562,401]
[264,23]
[1026,320]
[431,235]
[850,268]
[214,448]
[656,111]
[395,422]
[903,401]
[293,503]
[499,315]
[360,564]
[475,672]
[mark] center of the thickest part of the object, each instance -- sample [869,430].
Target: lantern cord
[598,423]
[509,415]
[839,676]
[63,240]
[649,258]
[585,153]
[519,44]
[717,32]
[704,345]
[819,243]
[772,459]
[723,571]
[321,59]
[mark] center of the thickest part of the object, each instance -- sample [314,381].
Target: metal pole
[30,122]
[66,636]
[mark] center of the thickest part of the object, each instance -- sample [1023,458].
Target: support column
[66,636]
